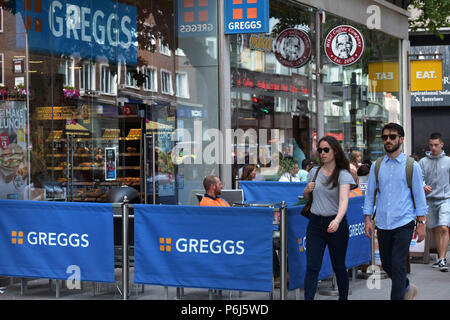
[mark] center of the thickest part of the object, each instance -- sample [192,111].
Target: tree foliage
[433,15]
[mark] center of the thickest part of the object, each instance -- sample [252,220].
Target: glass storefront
[93,92]
[99,94]
[357,99]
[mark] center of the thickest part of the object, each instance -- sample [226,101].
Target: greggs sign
[203,247]
[246,16]
[42,239]
[79,26]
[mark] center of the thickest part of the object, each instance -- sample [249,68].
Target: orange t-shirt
[208,201]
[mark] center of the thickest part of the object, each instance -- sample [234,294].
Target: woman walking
[328,224]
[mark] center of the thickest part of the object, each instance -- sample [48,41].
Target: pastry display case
[76,156]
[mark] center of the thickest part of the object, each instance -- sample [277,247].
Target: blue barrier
[204,247]
[52,239]
[358,252]
[272,191]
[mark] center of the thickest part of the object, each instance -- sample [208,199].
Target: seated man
[213,187]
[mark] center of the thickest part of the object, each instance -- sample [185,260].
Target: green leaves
[432,16]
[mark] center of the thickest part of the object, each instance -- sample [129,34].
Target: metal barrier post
[125,266]
[283,251]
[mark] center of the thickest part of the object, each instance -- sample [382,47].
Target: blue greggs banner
[204,247]
[358,251]
[296,238]
[90,28]
[52,239]
[272,191]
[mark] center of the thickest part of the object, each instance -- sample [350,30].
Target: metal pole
[154,168]
[125,267]
[28,129]
[319,86]
[283,249]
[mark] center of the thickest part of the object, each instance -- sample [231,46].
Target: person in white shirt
[291,176]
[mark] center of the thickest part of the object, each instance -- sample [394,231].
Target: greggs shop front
[158,94]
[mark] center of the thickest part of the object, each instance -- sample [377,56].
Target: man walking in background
[436,175]
[397,212]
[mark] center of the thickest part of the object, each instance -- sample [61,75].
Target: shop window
[181,81]
[166,82]
[164,48]
[151,82]
[87,76]
[130,80]
[108,80]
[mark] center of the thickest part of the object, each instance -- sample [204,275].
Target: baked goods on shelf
[110,134]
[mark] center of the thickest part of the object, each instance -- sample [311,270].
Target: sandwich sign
[246,16]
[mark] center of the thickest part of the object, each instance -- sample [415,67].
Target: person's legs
[337,245]
[401,240]
[385,249]
[441,238]
[315,242]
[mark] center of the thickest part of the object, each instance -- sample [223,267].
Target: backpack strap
[409,174]
[377,170]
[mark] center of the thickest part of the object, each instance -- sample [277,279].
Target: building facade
[156,95]
[430,110]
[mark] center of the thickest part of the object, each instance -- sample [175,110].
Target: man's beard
[394,148]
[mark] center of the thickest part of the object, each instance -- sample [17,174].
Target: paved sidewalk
[432,284]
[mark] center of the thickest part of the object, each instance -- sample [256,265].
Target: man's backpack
[409,174]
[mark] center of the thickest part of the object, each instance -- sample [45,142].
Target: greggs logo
[302,244]
[248,6]
[194,13]
[202,246]
[17,237]
[245,15]
[62,239]
[196,16]
[32,7]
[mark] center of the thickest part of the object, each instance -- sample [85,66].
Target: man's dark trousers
[394,247]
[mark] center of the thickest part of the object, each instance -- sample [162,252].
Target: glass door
[160,169]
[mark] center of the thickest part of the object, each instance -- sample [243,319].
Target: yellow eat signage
[426,75]
[383,77]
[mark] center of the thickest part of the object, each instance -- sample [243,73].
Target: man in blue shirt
[395,213]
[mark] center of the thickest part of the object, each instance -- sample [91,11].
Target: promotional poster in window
[14,165]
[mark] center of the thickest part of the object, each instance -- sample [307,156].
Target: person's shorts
[438,213]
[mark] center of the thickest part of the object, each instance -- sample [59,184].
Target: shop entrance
[160,187]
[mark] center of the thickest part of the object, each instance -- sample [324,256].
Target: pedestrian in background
[355,162]
[248,173]
[395,213]
[436,175]
[307,164]
[328,223]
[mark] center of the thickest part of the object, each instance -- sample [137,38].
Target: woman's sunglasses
[326,150]
[390,136]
